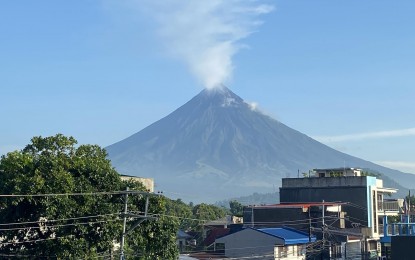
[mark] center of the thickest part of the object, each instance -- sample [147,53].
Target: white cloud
[205,34]
[398,165]
[253,105]
[369,135]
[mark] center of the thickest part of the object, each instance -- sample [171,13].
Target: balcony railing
[388,206]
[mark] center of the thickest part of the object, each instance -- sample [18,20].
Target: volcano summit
[217,146]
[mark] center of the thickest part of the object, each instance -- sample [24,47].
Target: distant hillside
[217,146]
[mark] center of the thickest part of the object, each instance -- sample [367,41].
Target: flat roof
[299,205]
[338,169]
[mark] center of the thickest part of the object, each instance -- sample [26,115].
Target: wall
[277,217]
[147,182]
[249,242]
[294,252]
[402,247]
[331,189]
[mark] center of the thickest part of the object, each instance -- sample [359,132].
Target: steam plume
[205,34]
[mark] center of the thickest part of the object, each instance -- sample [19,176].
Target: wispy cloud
[398,165]
[205,34]
[369,135]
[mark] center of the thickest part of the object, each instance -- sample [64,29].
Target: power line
[79,194]
[62,225]
[57,220]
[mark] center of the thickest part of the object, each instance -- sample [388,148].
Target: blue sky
[100,70]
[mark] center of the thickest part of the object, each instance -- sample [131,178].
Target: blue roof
[290,236]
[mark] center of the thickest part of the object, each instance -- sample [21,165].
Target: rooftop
[290,236]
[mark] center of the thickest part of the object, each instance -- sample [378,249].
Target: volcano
[217,146]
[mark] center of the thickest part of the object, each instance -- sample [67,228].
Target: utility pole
[409,205]
[141,219]
[309,224]
[323,231]
[124,226]
[322,213]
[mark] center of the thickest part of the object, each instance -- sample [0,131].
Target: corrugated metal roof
[290,236]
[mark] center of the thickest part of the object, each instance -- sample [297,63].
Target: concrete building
[300,216]
[147,182]
[365,195]
[366,202]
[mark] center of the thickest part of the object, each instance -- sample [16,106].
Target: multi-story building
[366,200]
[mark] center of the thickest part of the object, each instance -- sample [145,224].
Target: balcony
[396,229]
[387,207]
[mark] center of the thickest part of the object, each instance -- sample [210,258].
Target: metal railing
[389,206]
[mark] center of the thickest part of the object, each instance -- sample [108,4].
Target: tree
[53,165]
[82,225]
[182,211]
[236,208]
[208,212]
[154,238]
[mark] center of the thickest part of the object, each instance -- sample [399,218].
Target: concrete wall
[249,243]
[147,182]
[294,252]
[402,247]
[324,182]
[277,217]
[344,189]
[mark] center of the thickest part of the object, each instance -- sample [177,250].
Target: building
[300,216]
[147,182]
[218,228]
[366,201]
[365,195]
[323,220]
[402,247]
[265,243]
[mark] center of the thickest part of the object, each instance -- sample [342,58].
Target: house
[266,243]
[309,217]
[219,228]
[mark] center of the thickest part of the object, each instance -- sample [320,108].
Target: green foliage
[336,174]
[208,212]
[372,174]
[54,165]
[181,210]
[155,237]
[236,208]
[193,217]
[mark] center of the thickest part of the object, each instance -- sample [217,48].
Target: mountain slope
[217,146]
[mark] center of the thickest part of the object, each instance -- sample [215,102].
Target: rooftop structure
[337,172]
